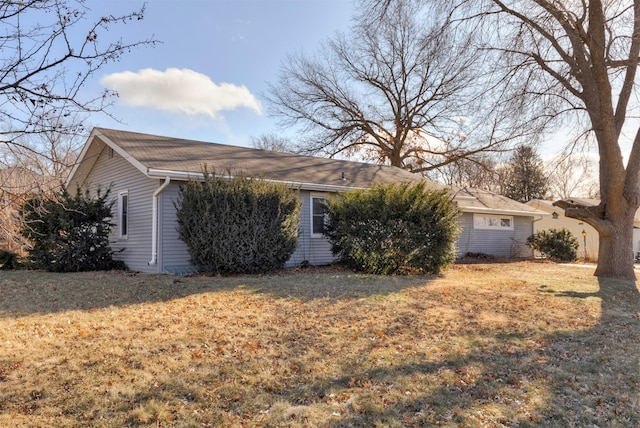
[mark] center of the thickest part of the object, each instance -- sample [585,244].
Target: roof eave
[116,148]
[479,210]
[186,176]
[81,156]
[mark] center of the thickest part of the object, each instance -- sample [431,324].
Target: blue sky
[207,77]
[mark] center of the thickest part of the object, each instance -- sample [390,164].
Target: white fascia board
[185,176]
[96,133]
[502,212]
[174,175]
[119,150]
[81,156]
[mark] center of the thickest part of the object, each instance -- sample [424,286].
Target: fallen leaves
[478,346]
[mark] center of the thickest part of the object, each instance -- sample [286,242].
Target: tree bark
[615,254]
[614,223]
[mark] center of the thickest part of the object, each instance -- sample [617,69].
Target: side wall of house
[576,227]
[174,256]
[173,253]
[499,243]
[111,170]
[311,248]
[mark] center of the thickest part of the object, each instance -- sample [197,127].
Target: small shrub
[556,244]
[239,225]
[8,260]
[393,229]
[69,233]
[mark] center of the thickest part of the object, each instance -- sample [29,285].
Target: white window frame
[123,215]
[311,214]
[492,222]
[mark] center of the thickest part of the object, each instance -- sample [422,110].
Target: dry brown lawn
[483,345]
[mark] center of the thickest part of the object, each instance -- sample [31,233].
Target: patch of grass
[520,344]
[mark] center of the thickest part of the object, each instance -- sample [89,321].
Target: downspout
[154,222]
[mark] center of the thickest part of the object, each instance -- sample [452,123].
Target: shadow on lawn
[575,378]
[568,378]
[36,292]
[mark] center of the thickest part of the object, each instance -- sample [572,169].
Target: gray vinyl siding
[174,255]
[499,243]
[315,250]
[112,170]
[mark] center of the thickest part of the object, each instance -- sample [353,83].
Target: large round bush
[238,225]
[394,229]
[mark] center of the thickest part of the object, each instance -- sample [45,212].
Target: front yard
[519,344]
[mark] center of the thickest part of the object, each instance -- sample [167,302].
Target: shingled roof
[483,201]
[158,156]
[180,159]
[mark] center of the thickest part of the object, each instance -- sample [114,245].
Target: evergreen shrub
[69,233]
[8,260]
[393,229]
[555,244]
[238,225]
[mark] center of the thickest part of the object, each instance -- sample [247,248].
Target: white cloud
[179,90]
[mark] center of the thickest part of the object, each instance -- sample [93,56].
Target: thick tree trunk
[615,255]
[614,224]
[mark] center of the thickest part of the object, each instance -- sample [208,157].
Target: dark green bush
[393,229]
[69,233]
[238,225]
[556,244]
[8,260]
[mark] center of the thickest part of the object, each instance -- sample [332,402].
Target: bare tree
[393,91]
[272,142]
[479,172]
[16,184]
[49,51]
[48,155]
[34,165]
[580,57]
[572,176]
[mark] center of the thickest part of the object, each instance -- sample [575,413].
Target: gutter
[154,222]
[479,210]
[185,176]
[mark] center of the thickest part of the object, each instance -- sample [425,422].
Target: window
[492,222]
[123,214]
[318,215]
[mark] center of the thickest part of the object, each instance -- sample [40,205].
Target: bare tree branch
[580,57]
[50,49]
[394,90]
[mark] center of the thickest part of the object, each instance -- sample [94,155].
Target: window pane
[318,206]
[492,222]
[318,215]
[124,211]
[318,224]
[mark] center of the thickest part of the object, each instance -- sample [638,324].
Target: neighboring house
[144,173]
[557,220]
[494,224]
